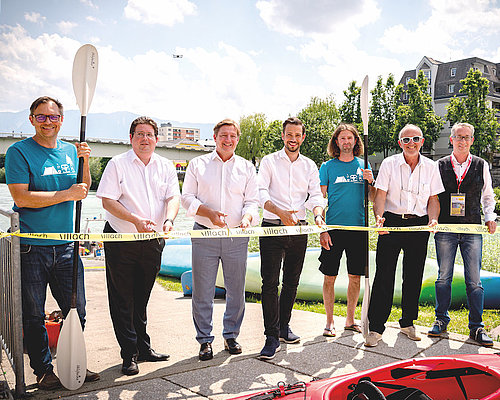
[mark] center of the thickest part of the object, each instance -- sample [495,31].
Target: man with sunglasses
[467,183]
[407,186]
[140,193]
[41,176]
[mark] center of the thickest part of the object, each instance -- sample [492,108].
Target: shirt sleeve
[109,186]
[384,178]
[487,195]
[323,175]
[251,201]
[264,181]
[173,182]
[16,167]
[190,190]
[316,198]
[436,181]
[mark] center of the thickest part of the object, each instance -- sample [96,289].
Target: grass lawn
[458,324]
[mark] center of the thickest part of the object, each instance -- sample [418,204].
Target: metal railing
[11,326]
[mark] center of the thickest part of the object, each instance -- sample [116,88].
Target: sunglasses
[43,118]
[415,139]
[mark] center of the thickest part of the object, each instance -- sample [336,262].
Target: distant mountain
[100,126]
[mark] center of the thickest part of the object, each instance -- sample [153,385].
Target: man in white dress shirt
[140,193]
[288,184]
[407,187]
[220,191]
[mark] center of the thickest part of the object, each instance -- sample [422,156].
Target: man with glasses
[407,188]
[140,193]
[41,174]
[467,182]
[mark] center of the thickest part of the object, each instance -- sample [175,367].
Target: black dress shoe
[129,367]
[232,346]
[152,356]
[206,352]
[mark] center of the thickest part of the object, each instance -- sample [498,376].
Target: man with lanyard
[41,175]
[467,182]
[140,193]
[288,184]
[341,178]
[407,188]
[220,191]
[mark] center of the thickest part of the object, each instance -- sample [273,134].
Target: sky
[238,57]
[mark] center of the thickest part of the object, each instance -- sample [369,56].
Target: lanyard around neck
[460,179]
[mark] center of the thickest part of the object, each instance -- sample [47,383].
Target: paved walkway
[183,376]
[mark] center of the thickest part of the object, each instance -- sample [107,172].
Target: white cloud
[34,17]
[162,12]
[89,3]
[66,26]
[455,29]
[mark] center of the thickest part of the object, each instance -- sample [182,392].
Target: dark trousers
[131,269]
[274,250]
[414,246]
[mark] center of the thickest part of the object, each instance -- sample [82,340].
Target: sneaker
[438,328]
[411,333]
[287,336]
[269,350]
[372,339]
[481,336]
[48,381]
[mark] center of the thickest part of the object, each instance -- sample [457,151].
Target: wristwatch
[319,215]
[372,183]
[171,221]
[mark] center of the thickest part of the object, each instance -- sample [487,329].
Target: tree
[252,128]
[473,108]
[350,109]
[382,116]
[272,141]
[320,118]
[418,111]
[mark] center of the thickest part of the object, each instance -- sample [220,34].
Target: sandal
[353,327]
[329,332]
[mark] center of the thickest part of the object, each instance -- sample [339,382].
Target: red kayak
[467,376]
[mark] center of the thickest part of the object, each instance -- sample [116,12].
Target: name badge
[457,206]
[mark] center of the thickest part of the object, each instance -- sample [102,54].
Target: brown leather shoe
[48,381]
[92,376]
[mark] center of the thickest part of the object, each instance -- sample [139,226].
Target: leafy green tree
[418,111]
[473,108]
[350,109]
[272,141]
[253,128]
[320,118]
[96,170]
[382,116]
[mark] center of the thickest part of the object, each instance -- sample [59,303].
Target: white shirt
[141,189]
[408,192]
[487,195]
[229,187]
[289,185]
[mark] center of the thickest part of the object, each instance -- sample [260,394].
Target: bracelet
[171,221]
[319,215]
[372,183]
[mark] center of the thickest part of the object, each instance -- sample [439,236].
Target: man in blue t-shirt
[41,176]
[342,179]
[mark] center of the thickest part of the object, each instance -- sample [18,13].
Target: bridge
[177,150]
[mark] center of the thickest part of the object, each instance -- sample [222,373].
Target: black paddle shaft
[367,258]
[78,215]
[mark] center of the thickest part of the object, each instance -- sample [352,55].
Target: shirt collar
[215,156]
[401,159]
[469,157]
[282,154]
[133,157]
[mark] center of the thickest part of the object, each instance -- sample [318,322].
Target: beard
[292,149]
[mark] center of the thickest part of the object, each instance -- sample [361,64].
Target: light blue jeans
[206,254]
[471,248]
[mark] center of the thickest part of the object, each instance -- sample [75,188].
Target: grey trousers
[206,254]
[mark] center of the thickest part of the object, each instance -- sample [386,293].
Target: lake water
[91,208]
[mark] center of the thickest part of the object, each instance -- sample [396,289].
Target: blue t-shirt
[345,186]
[46,170]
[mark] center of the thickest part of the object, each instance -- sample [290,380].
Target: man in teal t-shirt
[41,176]
[342,179]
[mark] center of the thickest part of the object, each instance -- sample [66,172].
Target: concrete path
[184,376]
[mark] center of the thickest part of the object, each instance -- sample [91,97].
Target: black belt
[404,216]
[279,223]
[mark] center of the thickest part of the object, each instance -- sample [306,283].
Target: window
[493,72]
[451,88]
[407,80]
[453,72]
[405,96]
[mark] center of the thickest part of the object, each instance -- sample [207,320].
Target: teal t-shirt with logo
[345,187]
[43,169]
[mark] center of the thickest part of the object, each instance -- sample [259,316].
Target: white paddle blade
[71,353]
[364,105]
[364,309]
[85,76]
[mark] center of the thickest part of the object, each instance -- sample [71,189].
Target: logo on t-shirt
[351,178]
[60,169]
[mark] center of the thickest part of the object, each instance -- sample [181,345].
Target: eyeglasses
[143,135]
[43,117]
[460,138]
[415,139]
